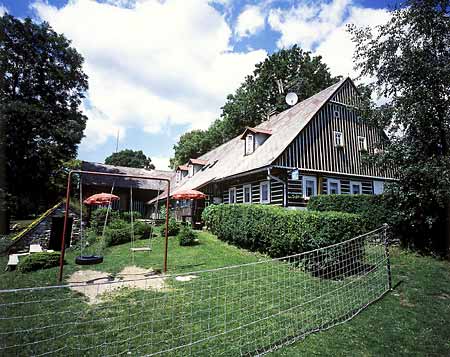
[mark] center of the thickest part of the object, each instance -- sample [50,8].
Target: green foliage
[142,230]
[117,232]
[173,228]
[415,76]
[37,261]
[187,236]
[98,218]
[278,231]
[130,158]
[372,208]
[126,215]
[41,123]
[256,97]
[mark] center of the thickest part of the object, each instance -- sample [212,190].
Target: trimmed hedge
[278,231]
[37,261]
[372,208]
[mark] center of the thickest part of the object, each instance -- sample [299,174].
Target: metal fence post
[386,252]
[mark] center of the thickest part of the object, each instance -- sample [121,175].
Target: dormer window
[191,170]
[362,143]
[249,144]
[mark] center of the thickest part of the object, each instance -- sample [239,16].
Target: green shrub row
[372,208]
[119,232]
[278,231]
[36,261]
[98,217]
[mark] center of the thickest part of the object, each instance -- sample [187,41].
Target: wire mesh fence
[248,309]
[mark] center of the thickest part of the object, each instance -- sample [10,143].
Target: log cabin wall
[314,148]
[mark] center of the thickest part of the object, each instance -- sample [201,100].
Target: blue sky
[159,68]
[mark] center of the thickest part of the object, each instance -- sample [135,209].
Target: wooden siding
[313,148]
[276,192]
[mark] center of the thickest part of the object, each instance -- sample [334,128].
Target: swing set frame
[66,214]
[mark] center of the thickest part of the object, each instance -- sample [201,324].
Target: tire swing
[102,198]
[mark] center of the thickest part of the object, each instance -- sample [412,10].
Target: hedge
[187,236]
[372,208]
[119,232]
[36,261]
[278,231]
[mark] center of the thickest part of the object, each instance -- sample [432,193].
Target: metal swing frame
[66,214]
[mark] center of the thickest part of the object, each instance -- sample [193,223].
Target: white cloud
[250,21]
[161,163]
[321,27]
[150,62]
[3,9]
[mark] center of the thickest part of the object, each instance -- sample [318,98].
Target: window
[295,175]
[355,188]
[338,139]
[333,187]
[264,192]
[178,175]
[247,193]
[191,170]
[337,115]
[232,195]
[362,143]
[249,144]
[309,186]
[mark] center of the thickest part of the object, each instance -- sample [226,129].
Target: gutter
[280,181]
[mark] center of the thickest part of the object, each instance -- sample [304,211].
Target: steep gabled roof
[198,161]
[284,127]
[183,168]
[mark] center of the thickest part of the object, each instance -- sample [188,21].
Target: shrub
[372,208]
[142,230]
[187,236]
[278,231]
[126,215]
[98,217]
[117,232]
[173,228]
[36,261]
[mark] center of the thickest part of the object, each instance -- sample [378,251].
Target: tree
[130,158]
[409,58]
[41,90]
[257,97]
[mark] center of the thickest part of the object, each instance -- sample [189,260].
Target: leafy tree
[409,57]
[257,97]
[40,93]
[130,158]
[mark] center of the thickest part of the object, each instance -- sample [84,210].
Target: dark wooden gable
[314,149]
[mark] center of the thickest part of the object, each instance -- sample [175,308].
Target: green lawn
[411,320]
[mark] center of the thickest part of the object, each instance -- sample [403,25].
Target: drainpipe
[269,176]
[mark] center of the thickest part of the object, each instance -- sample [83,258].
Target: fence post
[386,252]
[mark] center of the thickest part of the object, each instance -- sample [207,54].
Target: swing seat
[143,249]
[88,259]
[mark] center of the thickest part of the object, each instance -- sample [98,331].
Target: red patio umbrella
[188,195]
[100,199]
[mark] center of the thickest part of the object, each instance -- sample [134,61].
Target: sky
[158,68]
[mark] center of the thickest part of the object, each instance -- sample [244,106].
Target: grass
[411,320]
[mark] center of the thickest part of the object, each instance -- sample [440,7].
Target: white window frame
[341,144]
[232,189]
[355,183]
[191,170]
[261,184]
[249,187]
[309,178]
[337,114]
[364,147]
[178,176]
[251,149]
[329,182]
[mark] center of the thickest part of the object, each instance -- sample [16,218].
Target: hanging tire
[88,259]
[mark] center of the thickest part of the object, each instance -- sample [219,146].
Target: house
[143,190]
[315,147]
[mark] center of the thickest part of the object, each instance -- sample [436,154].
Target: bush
[142,230]
[38,261]
[372,208]
[173,226]
[117,232]
[126,215]
[187,236]
[98,217]
[281,232]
